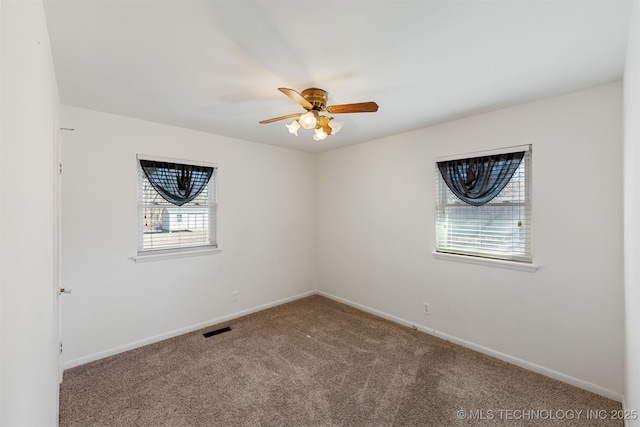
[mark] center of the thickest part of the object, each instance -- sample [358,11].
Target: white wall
[376,237]
[28,318]
[266,229]
[631,214]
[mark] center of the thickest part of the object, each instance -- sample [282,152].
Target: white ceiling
[215,66]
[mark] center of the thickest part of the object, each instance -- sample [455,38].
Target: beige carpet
[316,362]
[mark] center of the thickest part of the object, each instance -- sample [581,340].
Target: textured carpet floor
[316,362]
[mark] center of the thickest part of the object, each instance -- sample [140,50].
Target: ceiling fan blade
[275,119]
[360,107]
[296,97]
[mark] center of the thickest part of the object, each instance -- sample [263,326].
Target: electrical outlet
[426,309]
[234,296]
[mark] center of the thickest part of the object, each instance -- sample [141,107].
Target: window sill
[510,265]
[175,254]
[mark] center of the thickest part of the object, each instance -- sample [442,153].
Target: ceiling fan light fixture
[319,134]
[314,101]
[335,126]
[293,127]
[308,120]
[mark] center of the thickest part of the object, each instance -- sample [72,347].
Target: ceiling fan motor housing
[316,97]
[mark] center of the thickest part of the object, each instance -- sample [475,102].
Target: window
[499,229]
[177,207]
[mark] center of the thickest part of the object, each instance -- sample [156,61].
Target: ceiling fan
[314,100]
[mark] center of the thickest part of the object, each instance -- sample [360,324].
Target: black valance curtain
[477,180]
[176,183]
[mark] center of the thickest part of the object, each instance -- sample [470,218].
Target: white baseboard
[611,394]
[585,385]
[378,313]
[120,349]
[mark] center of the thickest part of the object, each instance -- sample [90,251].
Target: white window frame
[180,250]
[478,256]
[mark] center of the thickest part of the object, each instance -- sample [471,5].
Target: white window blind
[501,229]
[164,227]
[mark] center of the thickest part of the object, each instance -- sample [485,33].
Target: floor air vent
[216,332]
